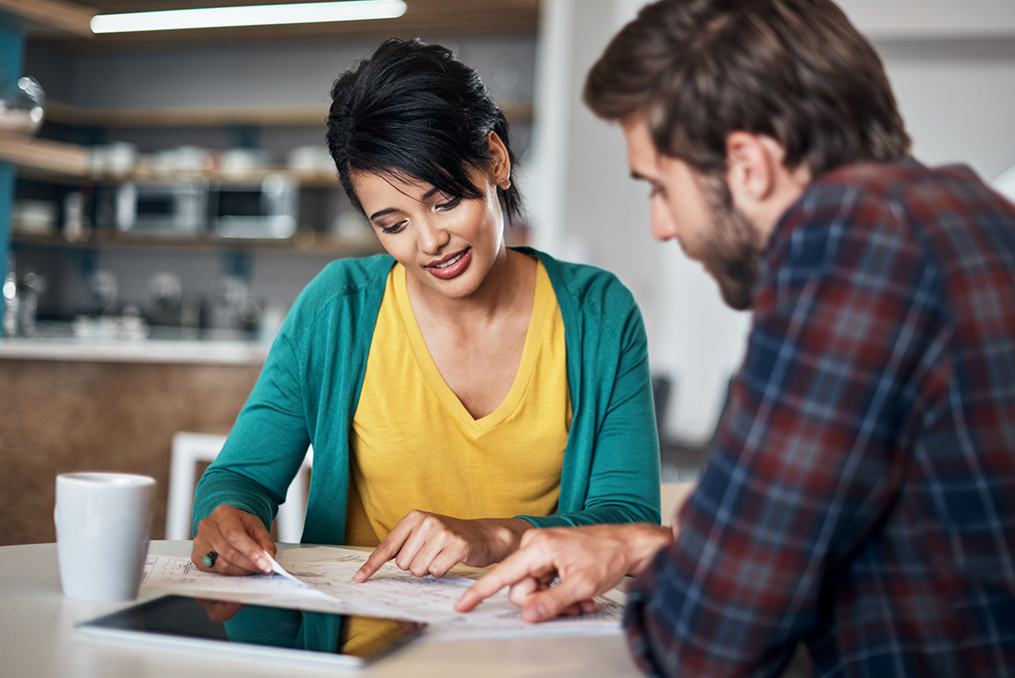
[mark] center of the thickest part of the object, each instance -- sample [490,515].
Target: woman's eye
[449,205]
[393,229]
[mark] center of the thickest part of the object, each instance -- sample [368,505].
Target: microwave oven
[265,210]
[169,209]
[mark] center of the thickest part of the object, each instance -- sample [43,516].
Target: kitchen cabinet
[70,414]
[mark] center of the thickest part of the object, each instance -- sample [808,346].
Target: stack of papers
[320,579]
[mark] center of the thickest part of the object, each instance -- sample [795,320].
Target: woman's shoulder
[346,278]
[343,285]
[586,286]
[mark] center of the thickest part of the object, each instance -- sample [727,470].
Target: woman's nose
[432,237]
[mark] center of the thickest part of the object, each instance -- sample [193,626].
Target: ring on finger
[209,559]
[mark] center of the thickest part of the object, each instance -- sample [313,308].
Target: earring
[505,184]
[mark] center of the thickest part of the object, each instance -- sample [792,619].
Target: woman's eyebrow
[426,196]
[381,213]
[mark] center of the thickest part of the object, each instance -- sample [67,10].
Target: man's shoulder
[906,184]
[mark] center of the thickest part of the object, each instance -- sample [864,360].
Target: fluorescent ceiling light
[253,15]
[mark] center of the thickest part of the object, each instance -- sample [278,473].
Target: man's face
[697,210]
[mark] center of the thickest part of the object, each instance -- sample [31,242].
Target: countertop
[57,341]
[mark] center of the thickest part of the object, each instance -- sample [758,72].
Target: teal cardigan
[310,385]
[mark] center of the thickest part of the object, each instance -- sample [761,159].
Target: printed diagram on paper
[319,578]
[391,592]
[177,574]
[395,593]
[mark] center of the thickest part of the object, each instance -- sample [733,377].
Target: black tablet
[222,628]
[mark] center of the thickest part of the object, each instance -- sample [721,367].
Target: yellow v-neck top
[415,446]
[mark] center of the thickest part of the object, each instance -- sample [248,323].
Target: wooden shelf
[302,243]
[304,179]
[190,116]
[44,154]
[64,16]
[213,116]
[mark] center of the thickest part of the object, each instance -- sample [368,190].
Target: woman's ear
[500,161]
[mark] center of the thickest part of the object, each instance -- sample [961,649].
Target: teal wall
[12,44]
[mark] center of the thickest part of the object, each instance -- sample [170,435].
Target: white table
[37,638]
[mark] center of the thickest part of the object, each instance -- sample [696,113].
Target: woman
[456,392]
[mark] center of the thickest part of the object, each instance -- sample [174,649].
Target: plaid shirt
[861,494]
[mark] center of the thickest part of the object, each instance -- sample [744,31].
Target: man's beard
[732,250]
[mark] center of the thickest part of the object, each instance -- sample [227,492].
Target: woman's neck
[501,290]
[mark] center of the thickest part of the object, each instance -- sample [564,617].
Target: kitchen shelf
[64,16]
[214,116]
[302,243]
[43,154]
[321,179]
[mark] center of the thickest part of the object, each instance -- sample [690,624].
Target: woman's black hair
[413,110]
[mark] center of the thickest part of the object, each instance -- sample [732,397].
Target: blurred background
[159,220]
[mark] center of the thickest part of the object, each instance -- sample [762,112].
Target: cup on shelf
[117,159]
[103,523]
[313,159]
[182,160]
[240,163]
[76,222]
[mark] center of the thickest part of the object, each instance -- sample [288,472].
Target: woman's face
[447,244]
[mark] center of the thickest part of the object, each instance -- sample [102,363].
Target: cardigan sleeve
[611,470]
[266,445]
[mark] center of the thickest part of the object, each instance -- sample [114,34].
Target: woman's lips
[453,266]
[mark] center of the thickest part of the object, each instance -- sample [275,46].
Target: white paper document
[177,574]
[319,579]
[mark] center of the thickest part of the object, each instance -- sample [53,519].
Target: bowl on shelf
[33,217]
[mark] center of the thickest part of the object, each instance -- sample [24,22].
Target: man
[860,497]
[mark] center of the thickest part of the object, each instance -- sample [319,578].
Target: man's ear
[760,185]
[750,169]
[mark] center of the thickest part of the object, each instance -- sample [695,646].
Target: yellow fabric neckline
[475,427]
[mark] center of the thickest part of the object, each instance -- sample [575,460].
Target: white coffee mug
[103,521]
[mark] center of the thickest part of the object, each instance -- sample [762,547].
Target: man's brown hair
[794,70]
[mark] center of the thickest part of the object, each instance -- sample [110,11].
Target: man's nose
[663,228]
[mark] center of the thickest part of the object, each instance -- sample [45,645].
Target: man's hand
[588,560]
[238,538]
[429,543]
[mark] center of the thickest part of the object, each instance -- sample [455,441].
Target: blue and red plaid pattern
[860,497]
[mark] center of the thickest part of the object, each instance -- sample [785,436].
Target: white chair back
[191,448]
[672,496]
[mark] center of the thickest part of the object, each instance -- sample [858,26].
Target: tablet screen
[257,632]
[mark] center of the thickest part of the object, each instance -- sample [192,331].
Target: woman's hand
[429,543]
[220,610]
[238,538]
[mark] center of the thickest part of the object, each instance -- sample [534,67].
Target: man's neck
[788,187]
